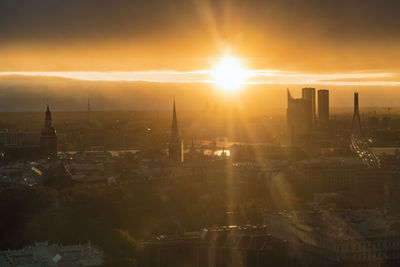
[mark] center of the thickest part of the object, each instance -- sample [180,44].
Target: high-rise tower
[298,117]
[309,94]
[356,123]
[48,137]
[323,106]
[175,148]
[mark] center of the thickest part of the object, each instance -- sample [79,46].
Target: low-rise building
[43,254]
[332,237]
[223,246]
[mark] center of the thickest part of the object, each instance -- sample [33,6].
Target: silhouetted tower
[356,123]
[323,106]
[48,137]
[292,138]
[175,149]
[298,117]
[309,94]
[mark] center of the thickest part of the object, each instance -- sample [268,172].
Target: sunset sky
[310,42]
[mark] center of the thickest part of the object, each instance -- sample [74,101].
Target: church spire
[174,127]
[356,123]
[48,137]
[48,120]
[175,148]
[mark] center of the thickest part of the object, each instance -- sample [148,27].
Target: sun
[229,74]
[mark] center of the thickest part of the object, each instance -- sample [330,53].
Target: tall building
[299,117]
[323,106]
[30,145]
[175,149]
[48,137]
[309,93]
[356,123]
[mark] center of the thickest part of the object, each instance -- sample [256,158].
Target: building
[338,237]
[48,137]
[323,106]
[333,174]
[175,148]
[309,93]
[249,246]
[30,145]
[58,176]
[43,254]
[299,116]
[8,138]
[356,123]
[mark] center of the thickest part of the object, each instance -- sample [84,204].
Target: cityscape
[198,134]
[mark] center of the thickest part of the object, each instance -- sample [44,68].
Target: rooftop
[343,224]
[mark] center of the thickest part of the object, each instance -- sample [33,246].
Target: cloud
[271,77]
[181,34]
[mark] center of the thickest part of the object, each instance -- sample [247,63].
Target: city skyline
[188,133]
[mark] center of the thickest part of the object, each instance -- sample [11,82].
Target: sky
[308,42]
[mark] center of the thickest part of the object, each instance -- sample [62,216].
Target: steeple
[48,137]
[175,148]
[356,123]
[174,127]
[48,120]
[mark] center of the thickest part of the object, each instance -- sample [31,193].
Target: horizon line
[254,77]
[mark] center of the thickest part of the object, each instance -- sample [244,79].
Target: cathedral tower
[48,137]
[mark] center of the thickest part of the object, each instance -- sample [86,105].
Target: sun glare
[229,74]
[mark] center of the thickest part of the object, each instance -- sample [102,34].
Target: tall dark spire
[48,120]
[175,148]
[356,123]
[48,138]
[174,127]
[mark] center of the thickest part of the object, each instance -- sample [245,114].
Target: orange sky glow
[331,44]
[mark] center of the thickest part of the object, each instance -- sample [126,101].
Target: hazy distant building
[363,237]
[48,138]
[30,145]
[356,123]
[333,174]
[175,149]
[299,116]
[9,138]
[323,106]
[309,93]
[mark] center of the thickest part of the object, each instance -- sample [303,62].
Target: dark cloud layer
[273,29]
[36,19]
